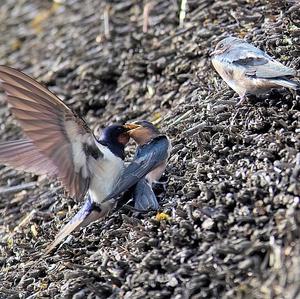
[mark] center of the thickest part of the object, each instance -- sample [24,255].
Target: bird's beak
[213,53]
[131,127]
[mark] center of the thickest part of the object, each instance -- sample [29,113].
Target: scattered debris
[233,178]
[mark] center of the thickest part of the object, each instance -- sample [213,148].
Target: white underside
[106,171]
[154,175]
[242,84]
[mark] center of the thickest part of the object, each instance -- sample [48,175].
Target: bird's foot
[160,185]
[242,100]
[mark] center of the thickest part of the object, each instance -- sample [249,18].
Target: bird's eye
[221,46]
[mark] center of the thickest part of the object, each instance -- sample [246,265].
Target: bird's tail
[286,83]
[86,215]
[144,197]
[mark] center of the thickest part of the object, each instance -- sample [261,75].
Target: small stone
[208,224]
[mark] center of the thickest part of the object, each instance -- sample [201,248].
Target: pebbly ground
[232,191]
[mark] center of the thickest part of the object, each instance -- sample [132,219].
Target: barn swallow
[148,164]
[249,70]
[59,144]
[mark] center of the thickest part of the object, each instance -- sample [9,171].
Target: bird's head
[115,137]
[142,131]
[226,44]
[116,134]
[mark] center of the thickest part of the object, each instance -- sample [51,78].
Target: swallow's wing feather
[23,155]
[146,159]
[258,64]
[56,132]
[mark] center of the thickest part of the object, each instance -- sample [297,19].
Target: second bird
[249,70]
[147,166]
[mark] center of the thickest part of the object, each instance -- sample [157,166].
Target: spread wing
[57,133]
[258,64]
[148,157]
[23,155]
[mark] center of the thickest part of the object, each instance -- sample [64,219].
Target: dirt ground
[232,191]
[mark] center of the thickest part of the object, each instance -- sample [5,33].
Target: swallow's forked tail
[86,215]
[286,83]
[144,197]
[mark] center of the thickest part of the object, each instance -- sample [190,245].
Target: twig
[195,129]
[4,190]
[182,12]
[106,22]
[128,82]
[181,118]
[146,13]
[26,220]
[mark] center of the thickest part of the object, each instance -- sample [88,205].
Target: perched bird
[248,70]
[59,144]
[147,166]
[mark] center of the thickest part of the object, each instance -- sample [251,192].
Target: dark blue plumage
[110,137]
[147,166]
[148,158]
[143,196]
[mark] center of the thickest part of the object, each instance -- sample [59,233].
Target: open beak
[124,137]
[131,127]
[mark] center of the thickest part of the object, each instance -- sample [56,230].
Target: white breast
[232,75]
[154,175]
[107,170]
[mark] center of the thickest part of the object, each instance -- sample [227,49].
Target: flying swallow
[148,164]
[59,144]
[249,70]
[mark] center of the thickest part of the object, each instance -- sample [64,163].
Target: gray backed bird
[147,167]
[249,70]
[59,144]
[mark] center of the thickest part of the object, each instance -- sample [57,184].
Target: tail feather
[144,197]
[286,83]
[86,215]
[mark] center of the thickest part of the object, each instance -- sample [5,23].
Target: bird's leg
[125,198]
[233,119]
[242,100]
[161,183]
[158,184]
